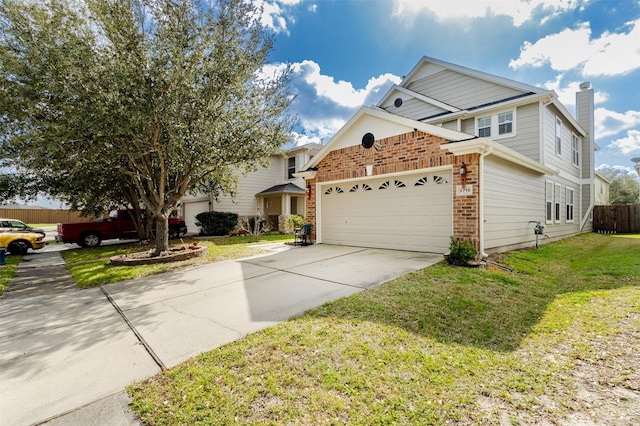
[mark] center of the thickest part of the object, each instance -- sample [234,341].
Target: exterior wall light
[463,173]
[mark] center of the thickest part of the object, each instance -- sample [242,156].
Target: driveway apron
[68,355]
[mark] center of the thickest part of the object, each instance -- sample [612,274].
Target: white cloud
[609,123]
[341,92]
[323,104]
[274,14]
[567,94]
[519,11]
[629,144]
[610,54]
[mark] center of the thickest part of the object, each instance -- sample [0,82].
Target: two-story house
[452,151]
[268,191]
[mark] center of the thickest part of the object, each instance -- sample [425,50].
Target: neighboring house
[452,151]
[601,190]
[271,191]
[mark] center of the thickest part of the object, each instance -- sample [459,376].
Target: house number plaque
[463,191]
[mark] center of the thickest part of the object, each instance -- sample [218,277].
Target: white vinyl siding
[461,91]
[245,202]
[513,196]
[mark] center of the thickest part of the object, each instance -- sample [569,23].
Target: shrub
[293,222]
[461,251]
[216,223]
[255,226]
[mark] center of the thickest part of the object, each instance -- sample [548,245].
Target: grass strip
[90,267]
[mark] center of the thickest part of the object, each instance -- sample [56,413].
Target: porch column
[286,205]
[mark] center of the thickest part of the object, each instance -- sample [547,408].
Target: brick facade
[401,153]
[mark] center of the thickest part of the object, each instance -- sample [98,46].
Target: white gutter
[486,152]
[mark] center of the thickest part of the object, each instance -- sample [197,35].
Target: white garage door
[409,212]
[191,209]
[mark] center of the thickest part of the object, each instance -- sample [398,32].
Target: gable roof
[281,189]
[392,125]
[425,61]
[430,66]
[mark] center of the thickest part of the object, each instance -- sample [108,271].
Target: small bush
[461,251]
[216,223]
[293,222]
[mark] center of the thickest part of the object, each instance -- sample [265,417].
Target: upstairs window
[498,125]
[484,127]
[505,123]
[575,150]
[558,136]
[291,167]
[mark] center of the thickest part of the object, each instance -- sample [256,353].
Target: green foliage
[461,251]
[216,223]
[623,185]
[293,222]
[107,102]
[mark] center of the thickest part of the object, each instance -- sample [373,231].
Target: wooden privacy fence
[33,216]
[620,219]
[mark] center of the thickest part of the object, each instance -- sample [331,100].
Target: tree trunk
[162,233]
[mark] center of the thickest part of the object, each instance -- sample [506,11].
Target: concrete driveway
[67,356]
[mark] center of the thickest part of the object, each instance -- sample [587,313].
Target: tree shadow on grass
[493,309]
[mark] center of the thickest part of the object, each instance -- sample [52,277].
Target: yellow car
[19,243]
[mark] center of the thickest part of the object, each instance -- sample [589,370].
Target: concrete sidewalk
[68,356]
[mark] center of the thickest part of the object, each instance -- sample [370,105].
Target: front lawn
[555,341]
[90,267]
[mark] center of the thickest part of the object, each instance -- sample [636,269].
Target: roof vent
[367,140]
[398,102]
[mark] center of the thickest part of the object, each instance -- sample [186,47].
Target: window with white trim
[549,202]
[291,167]
[505,123]
[501,124]
[484,127]
[558,136]
[575,150]
[569,203]
[557,198]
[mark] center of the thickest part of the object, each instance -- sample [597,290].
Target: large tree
[624,185]
[137,100]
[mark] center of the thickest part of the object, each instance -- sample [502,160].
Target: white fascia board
[306,174]
[482,146]
[381,114]
[416,95]
[567,115]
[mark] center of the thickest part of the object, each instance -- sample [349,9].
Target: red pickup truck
[118,226]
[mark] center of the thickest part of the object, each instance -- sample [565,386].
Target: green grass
[441,345]
[8,271]
[90,267]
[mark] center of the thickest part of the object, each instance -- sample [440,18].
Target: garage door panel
[395,213]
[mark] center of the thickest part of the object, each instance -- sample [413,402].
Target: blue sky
[347,53]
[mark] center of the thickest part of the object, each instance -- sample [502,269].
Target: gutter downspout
[486,152]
